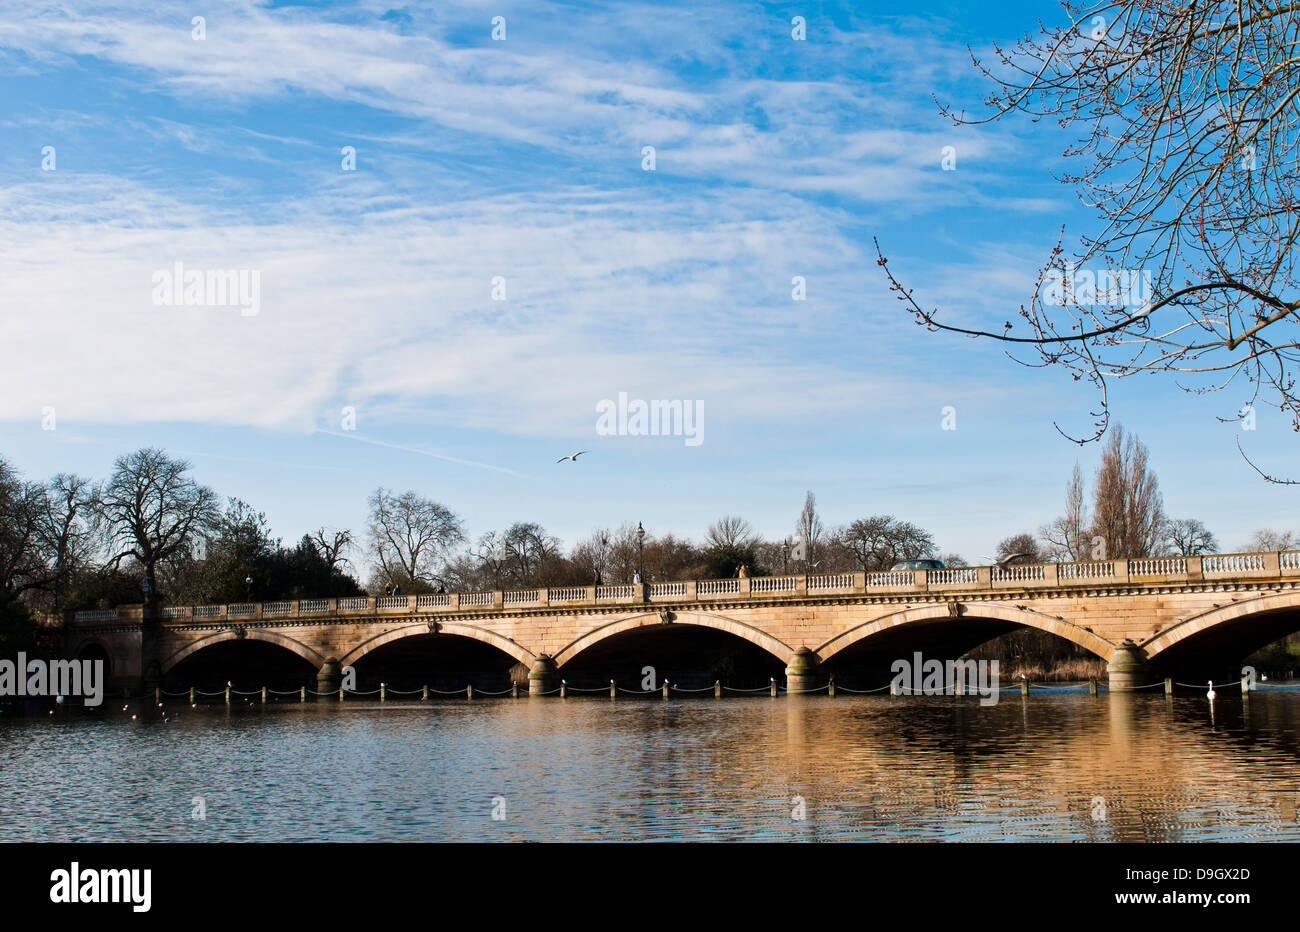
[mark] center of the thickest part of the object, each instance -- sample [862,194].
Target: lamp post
[640,550]
[248,588]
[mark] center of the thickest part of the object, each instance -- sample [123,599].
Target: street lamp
[640,543]
[248,588]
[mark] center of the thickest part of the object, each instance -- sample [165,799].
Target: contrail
[419,452]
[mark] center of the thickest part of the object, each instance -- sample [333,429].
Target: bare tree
[1022,548]
[153,511]
[333,546]
[25,563]
[1128,513]
[1068,535]
[731,531]
[1267,541]
[411,536]
[880,541]
[66,526]
[1188,537]
[1185,117]
[809,529]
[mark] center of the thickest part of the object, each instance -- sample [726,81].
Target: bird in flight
[571,456]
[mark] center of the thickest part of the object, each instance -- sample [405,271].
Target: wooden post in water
[893,688]
[1245,686]
[773,680]
[263,695]
[1092,687]
[191,695]
[469,691]
[956,685]
[383,692]
[424,695]
[1024,687]
[340,694]
[514,690]
[665,689]
[1169,686]
[717,689]
[830,688]
[611,689]
[157,693]
[562,685]
[302,693]
[227,694]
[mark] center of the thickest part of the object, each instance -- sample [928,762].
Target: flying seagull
[1009,559]
[571,456]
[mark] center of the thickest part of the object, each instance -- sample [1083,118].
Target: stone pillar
[544,676]
[803,671]
[1127,668]
[330,676]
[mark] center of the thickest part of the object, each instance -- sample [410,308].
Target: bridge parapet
[957,580]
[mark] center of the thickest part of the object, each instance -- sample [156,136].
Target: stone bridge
[1145,618]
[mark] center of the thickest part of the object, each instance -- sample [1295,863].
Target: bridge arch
[774,646]
[474,632]
[252,634]
[971,611]
[1271,617]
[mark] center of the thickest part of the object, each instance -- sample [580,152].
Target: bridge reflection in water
[1123,767]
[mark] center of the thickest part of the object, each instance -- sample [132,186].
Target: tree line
[152,533]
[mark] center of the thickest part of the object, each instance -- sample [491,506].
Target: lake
[1059,765]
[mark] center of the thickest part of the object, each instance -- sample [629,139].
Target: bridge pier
[330,677]
[544,677]
[803,672]
[1127,668]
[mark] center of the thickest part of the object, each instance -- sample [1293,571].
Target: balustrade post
[745,585]
[692,590]
[1273,563]
[984,577]
[801,585]
[1195,568]
[1052,574]
[1121,570]
[498,599]
[860,582]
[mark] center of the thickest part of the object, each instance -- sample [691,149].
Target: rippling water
[1063,766]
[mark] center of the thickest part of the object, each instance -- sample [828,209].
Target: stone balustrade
[1084,575]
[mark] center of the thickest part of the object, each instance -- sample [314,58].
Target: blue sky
[522,159]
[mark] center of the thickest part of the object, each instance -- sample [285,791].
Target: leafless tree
[411,536]
[25,559]
[1068,535]
[809,529]
[333,546]
[878,542]
[1188,537]
[1267,541]
[66,526]
[731,531]
[1128,510]
[1185,117]
[153,511]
